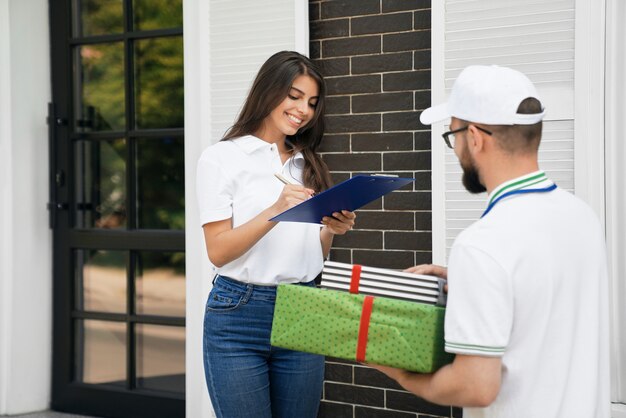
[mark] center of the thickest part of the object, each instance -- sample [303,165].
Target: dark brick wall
[375,55]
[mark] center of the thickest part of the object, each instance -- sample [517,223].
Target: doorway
[117,207]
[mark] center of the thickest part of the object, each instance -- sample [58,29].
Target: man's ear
[475,140]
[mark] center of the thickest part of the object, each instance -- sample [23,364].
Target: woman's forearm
[225,243]
[326,238]
[228,244]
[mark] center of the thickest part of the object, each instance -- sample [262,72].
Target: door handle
[57,177]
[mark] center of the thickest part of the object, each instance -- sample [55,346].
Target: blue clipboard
[351,194]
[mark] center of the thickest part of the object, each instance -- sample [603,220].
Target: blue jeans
[246,376]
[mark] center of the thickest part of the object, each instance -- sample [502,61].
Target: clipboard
[350,194]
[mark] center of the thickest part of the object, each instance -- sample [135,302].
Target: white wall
[225,44]
[25,240]
[615,106]
[536,37]
[197,137]
[598,88]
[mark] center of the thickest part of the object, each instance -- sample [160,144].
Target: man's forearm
[468,381]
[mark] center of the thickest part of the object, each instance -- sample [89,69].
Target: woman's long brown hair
[271,85]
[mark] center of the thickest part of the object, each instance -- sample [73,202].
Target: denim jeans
[246,376]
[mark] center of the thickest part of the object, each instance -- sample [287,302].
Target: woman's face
[294,112]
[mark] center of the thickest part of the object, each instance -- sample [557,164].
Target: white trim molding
[197,137]
[301,27]
[25,286]
[589,103]
[6,189]
[615,106]
[618,411]
[438,95]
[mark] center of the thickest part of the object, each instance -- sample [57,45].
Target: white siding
[243,34]
[541,38]
[226,42]
[537,38]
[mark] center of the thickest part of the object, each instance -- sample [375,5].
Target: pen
[284,180]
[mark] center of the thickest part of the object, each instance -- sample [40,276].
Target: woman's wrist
[327,230]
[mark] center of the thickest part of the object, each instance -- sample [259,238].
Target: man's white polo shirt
[528,283]
[235,179]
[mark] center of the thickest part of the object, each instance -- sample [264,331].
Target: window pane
[160,283]
[99,87]
[157,14]
[97,17]
[100,352]
[101,280]
[161,357]
[160,183]
[100,183]
[159,83]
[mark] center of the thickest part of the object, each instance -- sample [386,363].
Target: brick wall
[375,55]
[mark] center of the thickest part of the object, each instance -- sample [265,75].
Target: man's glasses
[449,136]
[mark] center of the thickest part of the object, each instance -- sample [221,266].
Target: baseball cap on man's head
[489,95]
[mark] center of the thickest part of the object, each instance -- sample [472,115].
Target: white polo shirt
[528,282]
[235,179]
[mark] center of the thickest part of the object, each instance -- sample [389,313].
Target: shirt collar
[536,179]
[251,143]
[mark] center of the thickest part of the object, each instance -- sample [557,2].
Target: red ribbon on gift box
[364,325]
[366,313]
[355,279]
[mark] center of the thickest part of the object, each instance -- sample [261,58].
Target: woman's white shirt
[235,179]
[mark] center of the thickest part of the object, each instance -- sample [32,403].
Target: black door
[117,207]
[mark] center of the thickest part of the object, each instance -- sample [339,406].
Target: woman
[278,132]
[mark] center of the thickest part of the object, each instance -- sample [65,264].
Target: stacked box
[384,282]
[398,333]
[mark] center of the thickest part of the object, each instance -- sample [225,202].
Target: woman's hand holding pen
[340,222]
[337,224]
[292,195]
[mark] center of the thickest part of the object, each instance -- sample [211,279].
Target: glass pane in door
[98,17]
[160,357]
[157,14]
[159,83]
[160,283]
[100,352]
[101,280]
[160,183]
[99,99]
[100,183]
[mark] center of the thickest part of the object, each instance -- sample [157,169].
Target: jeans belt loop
[248,295]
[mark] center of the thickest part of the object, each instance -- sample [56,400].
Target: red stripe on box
[355,279]
[364,327]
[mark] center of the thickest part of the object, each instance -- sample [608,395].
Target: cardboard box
[363,328]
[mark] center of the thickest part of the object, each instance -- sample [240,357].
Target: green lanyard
[519,191]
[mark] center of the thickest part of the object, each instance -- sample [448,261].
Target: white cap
[489,95]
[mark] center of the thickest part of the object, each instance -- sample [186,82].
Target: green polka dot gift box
[365,328]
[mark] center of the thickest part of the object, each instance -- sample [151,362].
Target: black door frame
[68,394]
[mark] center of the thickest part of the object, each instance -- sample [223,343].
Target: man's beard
[471,179]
